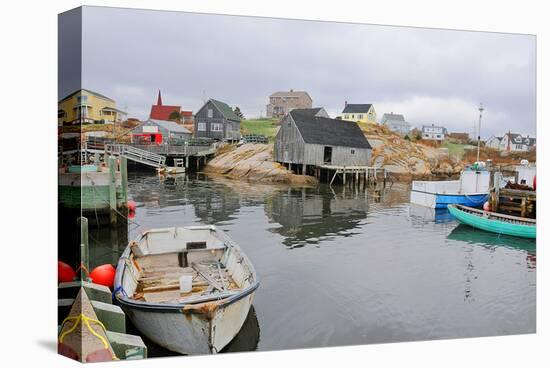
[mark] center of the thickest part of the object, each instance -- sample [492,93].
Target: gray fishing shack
[307,140]
[216,120]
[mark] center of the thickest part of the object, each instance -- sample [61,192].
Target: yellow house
[360,113]
[85,106]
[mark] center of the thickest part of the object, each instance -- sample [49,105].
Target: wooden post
[344,174]
[124,177]
[186,162]
[112,189]
[304,169]
[84,250]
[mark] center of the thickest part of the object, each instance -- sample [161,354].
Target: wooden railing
[135,154]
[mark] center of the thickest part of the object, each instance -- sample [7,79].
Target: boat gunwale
[494,216]
[177,307]
[451,194]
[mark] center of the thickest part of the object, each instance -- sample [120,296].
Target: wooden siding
[290,148]
[231,129]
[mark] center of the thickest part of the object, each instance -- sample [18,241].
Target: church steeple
[159,100]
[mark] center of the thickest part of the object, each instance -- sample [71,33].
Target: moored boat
[495,222]
[188,289]
[472,189]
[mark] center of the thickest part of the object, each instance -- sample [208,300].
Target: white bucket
[186,283]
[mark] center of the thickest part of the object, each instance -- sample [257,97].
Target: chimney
[345,103]
[291,90]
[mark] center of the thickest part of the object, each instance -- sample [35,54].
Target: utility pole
[480,108]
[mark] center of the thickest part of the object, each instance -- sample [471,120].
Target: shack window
[353,152]
[210,113]
[216,127]
[201,126]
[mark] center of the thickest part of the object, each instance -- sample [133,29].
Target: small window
[216,127]
[210,113]
[353,116]
[353,152]
[201,126]
[360,116]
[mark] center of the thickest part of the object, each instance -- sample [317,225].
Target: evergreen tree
[238,112]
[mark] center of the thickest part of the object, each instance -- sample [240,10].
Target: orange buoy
[65,273]
[103,275]
[486,206]
[131,206]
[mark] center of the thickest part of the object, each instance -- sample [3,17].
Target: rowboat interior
[160,258]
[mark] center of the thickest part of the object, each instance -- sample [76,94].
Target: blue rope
[121,290]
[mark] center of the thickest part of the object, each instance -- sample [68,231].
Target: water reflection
[309,215]
[421,215]
[468,234]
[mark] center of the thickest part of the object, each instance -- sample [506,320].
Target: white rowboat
[203,320]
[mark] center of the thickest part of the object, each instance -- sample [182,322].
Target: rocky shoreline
[254,163]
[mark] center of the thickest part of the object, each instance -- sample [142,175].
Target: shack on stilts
[329,149]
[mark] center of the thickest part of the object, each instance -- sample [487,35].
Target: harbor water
[341,266]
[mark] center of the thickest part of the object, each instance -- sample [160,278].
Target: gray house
[315,111]
[158,131]
[396,122]
[305,139]
[215,119]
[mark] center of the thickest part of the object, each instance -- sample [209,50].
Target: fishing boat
[188,289]
[472,190]
[495,222]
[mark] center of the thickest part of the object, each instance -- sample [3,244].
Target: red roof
[162,112]
[186,113]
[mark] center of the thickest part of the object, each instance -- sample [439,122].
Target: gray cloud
[431,76]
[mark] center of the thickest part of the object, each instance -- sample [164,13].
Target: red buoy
[486,206]
[131,206]
[103,275]
[65,273]
[535,182]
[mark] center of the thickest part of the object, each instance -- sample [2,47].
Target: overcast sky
[430,76]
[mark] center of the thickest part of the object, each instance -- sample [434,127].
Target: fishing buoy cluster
[101,275]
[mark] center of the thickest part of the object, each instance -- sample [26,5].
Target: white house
[512,142]
[433,132]
[396,122]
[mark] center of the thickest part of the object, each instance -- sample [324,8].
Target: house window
[210,113]
[201,126]
[216,127]
[346,116]
[353,116]
[360,116]
[353,152]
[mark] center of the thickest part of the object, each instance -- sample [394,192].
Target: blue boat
[470,200]
[472,190]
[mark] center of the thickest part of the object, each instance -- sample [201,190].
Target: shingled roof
[329,132]
[311,112]
[226,111]
[356,108]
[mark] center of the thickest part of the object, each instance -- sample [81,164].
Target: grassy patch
[455,149]
[265,127]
